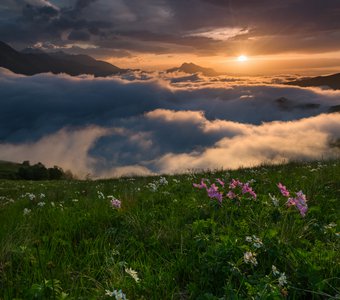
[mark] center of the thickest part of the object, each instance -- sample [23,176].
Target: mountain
[191,68]
[332,81]
[30,62]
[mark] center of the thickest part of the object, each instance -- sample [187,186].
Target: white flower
[41,204]
[42,196]
[26,211]
[249,239]
[275,270]
[163,181]
[257,242]
[52,203]
[250,258]
[274,200]
[133,274]
[282,279]
[119,295]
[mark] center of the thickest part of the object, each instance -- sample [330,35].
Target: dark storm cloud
[110,126]
[172,25]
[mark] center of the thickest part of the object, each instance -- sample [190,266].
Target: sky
[156,122]
[278,37]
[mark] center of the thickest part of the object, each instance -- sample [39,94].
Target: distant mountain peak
[32,61]
[191,68]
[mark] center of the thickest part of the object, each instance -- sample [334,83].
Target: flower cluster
[115,203]
[237,189]
[119,295]
[257,242]
[133,274]
[299,201]
[250,258]
[282,278]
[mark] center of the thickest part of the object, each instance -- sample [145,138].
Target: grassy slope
[8,169]
[182,244]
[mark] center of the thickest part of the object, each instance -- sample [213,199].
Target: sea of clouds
[147,123]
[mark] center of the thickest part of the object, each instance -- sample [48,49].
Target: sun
[242,58]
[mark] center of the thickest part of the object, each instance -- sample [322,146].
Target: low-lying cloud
[151,123]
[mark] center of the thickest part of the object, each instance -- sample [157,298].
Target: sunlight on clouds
[220,34]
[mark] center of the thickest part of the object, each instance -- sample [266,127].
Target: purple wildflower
[300,202]
[214,193]
[231,195]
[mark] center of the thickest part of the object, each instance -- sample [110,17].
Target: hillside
[175,237]
[35,62]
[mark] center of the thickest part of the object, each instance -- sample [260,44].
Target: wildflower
[231,195]
[257,242]
[234,184]
[201,185]
[26,211]
[41,204]
[214,193]
[249,239]
[42,195]
[115,203]
[163,181]
[100,195]
[300,202]
[220,181]
[250,258]
[275,270]
[133,274]
[119,295]
[247,189]
[52,203]
[152,186]
[283,190]
[282,279]
[274,200]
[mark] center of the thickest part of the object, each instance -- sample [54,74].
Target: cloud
[149,123]
[176,26]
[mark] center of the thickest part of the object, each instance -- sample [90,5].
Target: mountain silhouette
[31,61]
[191,68]
[332,81]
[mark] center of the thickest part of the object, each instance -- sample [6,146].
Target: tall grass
[182,244]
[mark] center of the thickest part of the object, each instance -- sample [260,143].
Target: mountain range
[32,61]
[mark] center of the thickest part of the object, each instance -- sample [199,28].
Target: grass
[182,244]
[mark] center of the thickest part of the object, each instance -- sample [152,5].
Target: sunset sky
[291,36]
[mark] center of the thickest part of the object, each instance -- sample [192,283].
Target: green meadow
[169,240]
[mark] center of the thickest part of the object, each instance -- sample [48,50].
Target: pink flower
[231,195]
[201,185]
[116,203]
[234,184]
[283,190]
[214,193]
[220,181]
[300,202]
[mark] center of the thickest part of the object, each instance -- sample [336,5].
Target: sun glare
[242,58]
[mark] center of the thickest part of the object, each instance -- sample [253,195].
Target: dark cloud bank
[158,123]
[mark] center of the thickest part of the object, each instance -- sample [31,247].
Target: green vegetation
[11,170]
[169,240]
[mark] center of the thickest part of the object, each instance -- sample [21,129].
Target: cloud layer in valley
[154,123]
